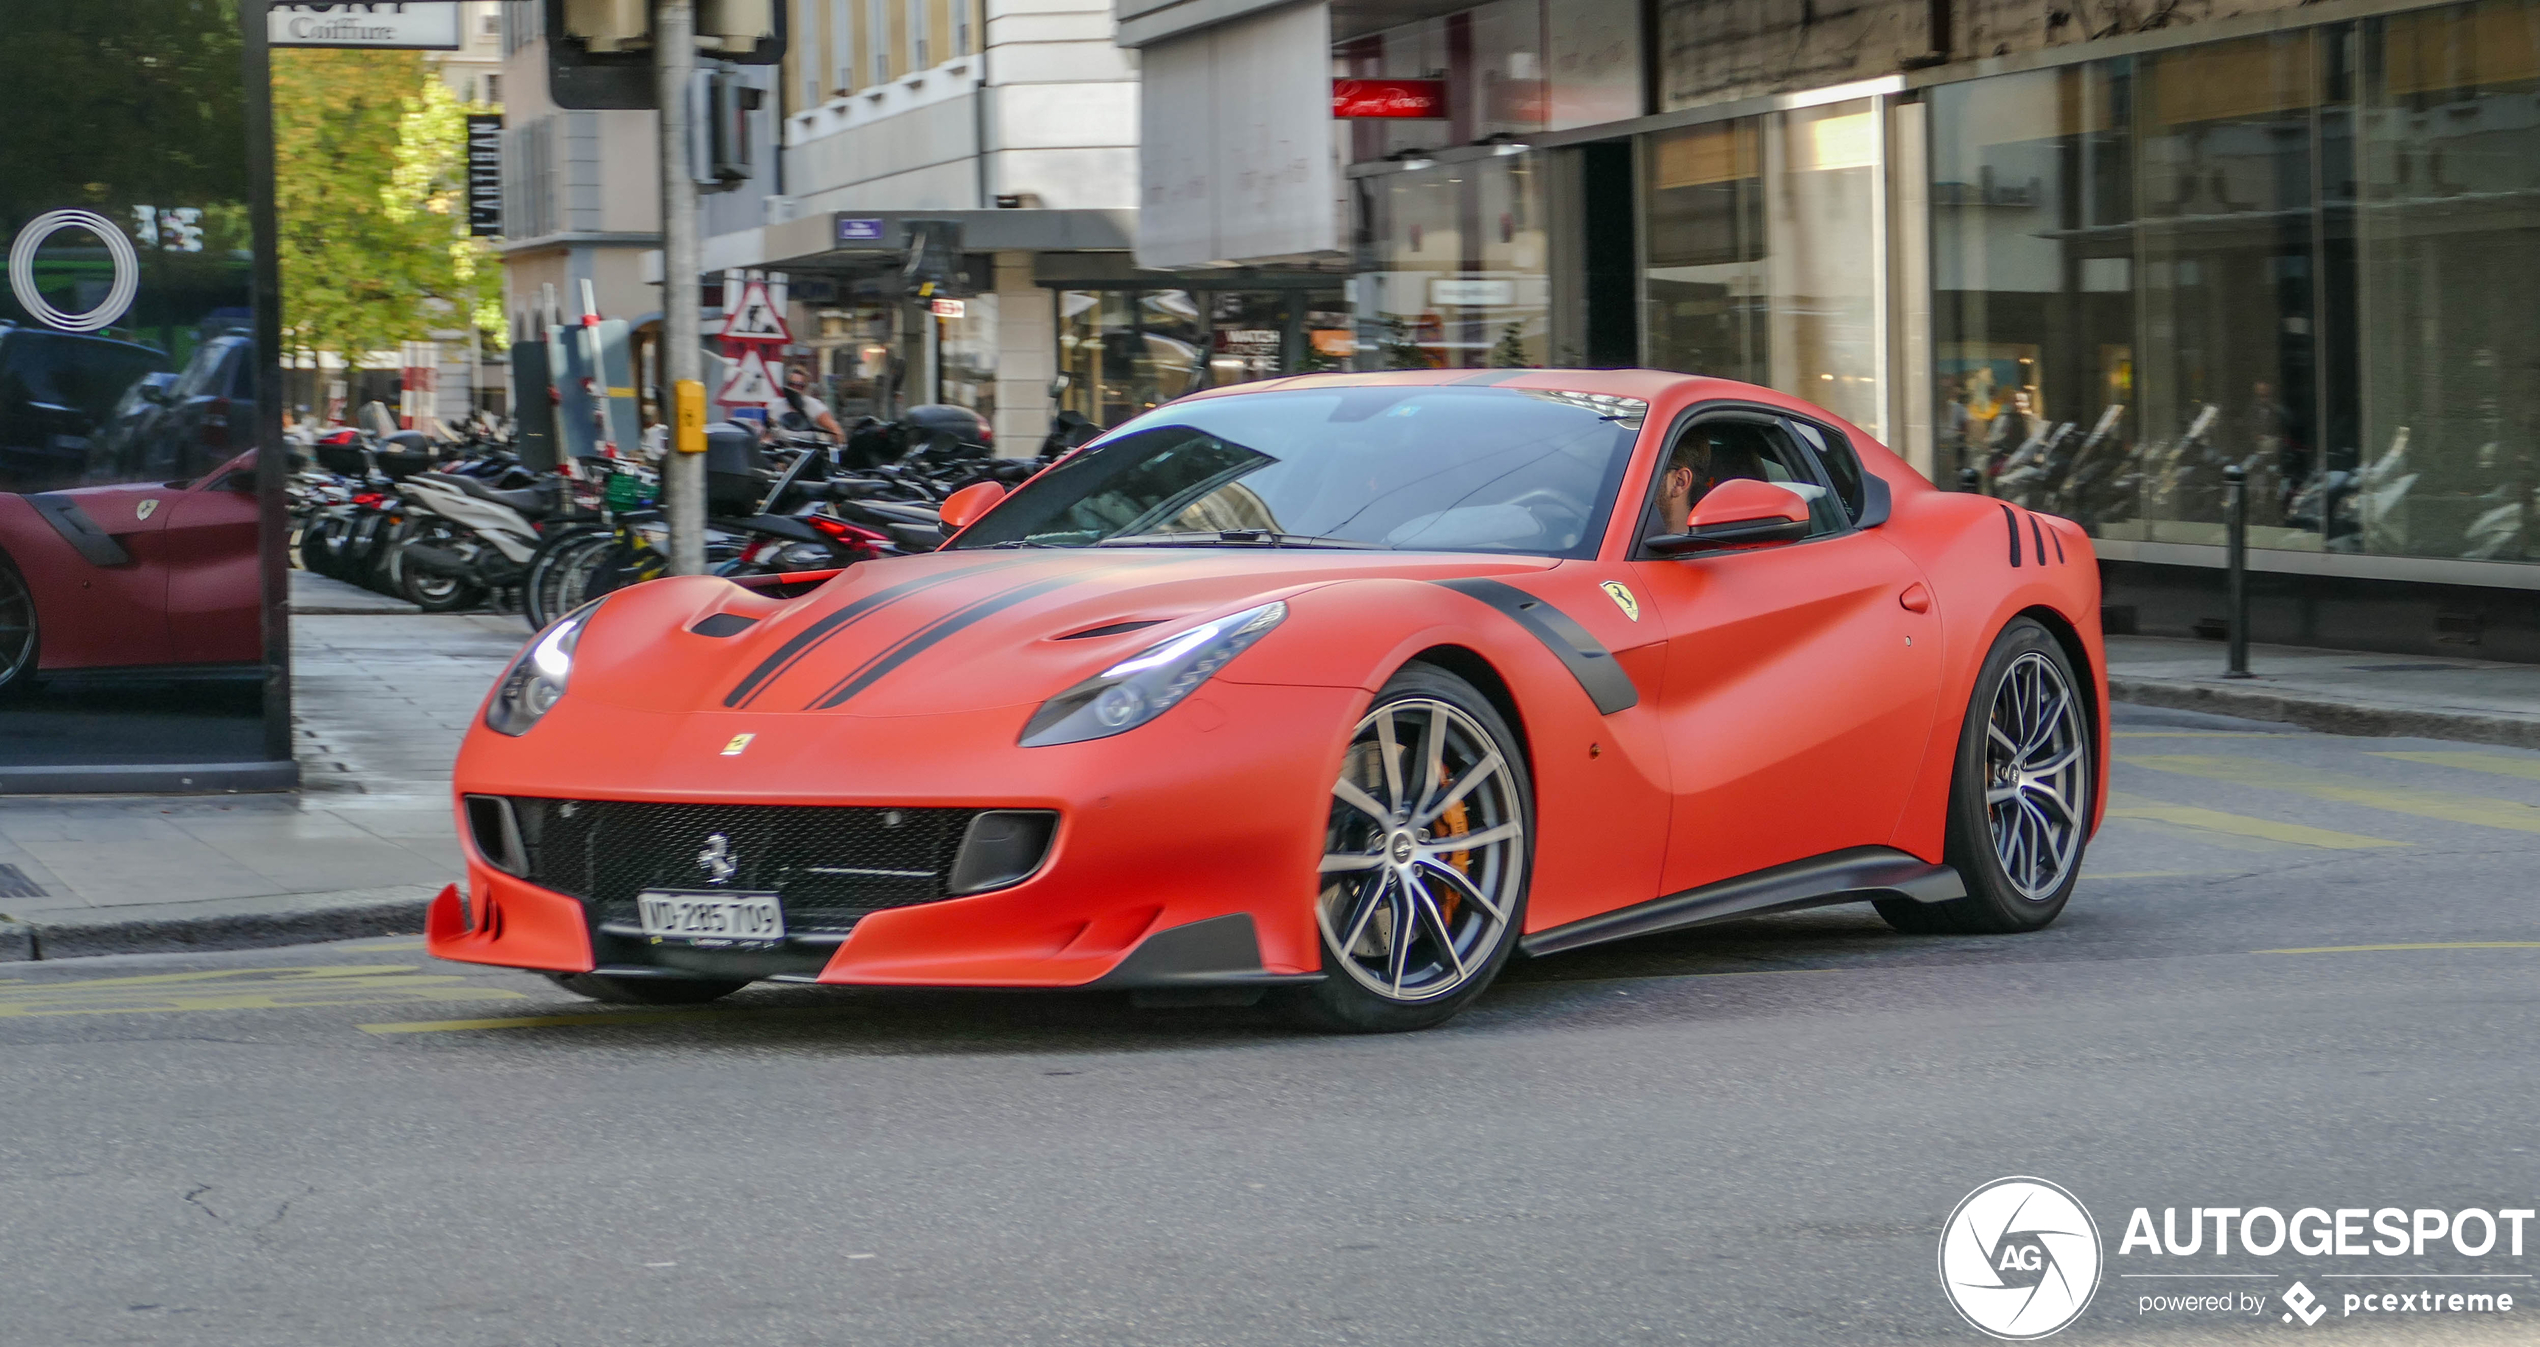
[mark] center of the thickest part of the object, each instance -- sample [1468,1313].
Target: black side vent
[2037,535]
[2012,522]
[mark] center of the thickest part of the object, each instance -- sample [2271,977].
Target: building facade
[2081,259]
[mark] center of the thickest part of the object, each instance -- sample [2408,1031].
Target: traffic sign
[755,318]
[748,384]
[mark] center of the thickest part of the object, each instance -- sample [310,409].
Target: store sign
[1389,98]
[428,25]
[484,175]
[1448,292]
[857,229]
[1249,341]
[950,308]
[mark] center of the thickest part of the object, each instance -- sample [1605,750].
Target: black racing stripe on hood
[950,624]
[802,641]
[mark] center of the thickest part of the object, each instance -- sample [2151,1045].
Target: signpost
[426,25]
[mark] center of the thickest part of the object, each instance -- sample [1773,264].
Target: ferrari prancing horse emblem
[1622,599]
[739,742]
[717,860]
[144,509]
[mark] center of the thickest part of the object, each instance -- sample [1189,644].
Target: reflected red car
[1338,690]
[141,575]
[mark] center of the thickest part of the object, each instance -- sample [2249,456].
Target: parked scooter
[470,537]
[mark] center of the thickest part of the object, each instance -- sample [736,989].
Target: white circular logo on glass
[119,250]
[2019,1258]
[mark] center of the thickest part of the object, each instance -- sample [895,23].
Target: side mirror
[1740,512]
[962,508]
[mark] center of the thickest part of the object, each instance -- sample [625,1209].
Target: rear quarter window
[1843,467]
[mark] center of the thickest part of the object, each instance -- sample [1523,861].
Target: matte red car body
[189,592]
[1794,701]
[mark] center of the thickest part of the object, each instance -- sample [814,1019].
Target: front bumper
[1185,855]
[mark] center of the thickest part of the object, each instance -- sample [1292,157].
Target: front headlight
[1150,683]
[536,679]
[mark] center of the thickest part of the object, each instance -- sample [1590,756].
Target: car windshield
[1421,468]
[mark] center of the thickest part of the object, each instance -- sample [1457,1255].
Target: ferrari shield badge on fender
[144,509]
[739,742]
[1623,599]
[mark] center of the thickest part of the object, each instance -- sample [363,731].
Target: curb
[2329,715]
[243,923]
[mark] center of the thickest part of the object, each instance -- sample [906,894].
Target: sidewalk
[2335,691]
[383,694]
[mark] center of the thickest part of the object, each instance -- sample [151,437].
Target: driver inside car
[1701,460]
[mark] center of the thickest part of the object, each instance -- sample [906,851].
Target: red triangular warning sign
[755,318]
[748,384]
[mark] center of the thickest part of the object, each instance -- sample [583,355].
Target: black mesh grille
[829,865]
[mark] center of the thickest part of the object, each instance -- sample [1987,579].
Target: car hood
[949,631]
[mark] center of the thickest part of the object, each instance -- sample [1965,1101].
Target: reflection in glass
[1762,261]
[2450,206]
[1451,273]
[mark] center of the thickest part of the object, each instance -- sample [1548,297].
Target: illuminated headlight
[1150,683]
[536,680]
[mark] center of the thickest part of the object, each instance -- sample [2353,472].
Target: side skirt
[1850,876]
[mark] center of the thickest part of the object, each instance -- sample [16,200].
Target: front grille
[829,865]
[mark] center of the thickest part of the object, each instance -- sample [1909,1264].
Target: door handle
[1916,598]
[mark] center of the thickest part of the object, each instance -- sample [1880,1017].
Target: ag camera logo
[2019,1258]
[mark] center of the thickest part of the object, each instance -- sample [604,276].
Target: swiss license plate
[712,919]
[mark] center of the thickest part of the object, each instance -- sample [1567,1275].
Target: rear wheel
[2019,801]
[647,991]
[1426,857]
[430,591]
[19,643]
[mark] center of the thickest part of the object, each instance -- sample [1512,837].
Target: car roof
[1646,384]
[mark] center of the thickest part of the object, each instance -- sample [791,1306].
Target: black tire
[313,556]
[21,637]
[2027,668]
[647,991]
[425,590]
[1384,858]
[552,573]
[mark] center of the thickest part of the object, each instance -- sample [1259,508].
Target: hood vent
[1114,629]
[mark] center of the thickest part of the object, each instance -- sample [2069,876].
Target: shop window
[1452,268]
[1762,264]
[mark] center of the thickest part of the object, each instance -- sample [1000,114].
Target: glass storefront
[1127,351]
[2305,254]
[1452,266]
[1760,259]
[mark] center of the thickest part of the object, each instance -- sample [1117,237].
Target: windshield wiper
[1240,538]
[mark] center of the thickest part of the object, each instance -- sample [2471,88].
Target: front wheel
[20,643]
[1427,852]
[647,991]
[2019,801]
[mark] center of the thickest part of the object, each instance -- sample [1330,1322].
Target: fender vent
[1115,629]
[2011,521]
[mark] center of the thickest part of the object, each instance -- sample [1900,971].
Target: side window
[1841,464]
[1722,450]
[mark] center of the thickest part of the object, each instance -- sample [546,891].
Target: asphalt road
[2302,972]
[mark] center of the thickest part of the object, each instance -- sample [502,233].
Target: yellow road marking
[2237,825]
[2526,768]
[241,989]
[583,1020]
[2453,944]
[2200,734]
[2479,810]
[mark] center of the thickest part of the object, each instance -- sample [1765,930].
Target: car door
[1800,675]
[215,591]
[97,569]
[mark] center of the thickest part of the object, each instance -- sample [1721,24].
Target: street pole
[683,472]
[2236,565]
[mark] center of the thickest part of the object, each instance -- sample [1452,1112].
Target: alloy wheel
[2036,776]
[17,626]
[1424,858]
